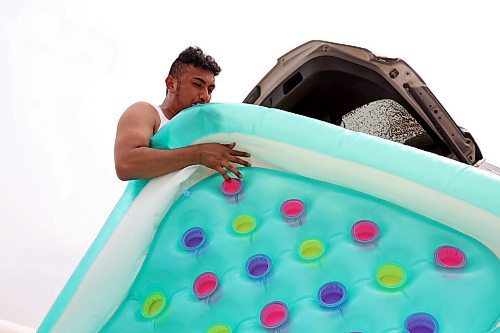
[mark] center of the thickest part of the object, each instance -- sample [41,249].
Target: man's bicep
[134,130]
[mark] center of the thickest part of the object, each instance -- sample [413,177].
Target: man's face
[194,86]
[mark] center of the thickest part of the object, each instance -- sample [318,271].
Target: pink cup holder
[450,257]
[293,211]
[231,187]
[365,231]
[274,315]
[205,285]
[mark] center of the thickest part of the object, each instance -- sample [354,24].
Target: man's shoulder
[141,113]
[140,106]
[141,109]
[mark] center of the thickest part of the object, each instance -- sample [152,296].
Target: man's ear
[171,83]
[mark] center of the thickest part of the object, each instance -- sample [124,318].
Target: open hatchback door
[351,87]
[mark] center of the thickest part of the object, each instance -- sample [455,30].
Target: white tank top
[163,118]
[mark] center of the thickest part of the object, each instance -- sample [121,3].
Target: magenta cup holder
[421,323]
[232,186]
[332,294]
[274,315]
[193,239]
[293,211]
[258,266]
[365,231]
[449,257]
[205,285]
[231,189]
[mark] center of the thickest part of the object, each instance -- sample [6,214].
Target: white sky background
[69,68]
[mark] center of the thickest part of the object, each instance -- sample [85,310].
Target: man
[190,81]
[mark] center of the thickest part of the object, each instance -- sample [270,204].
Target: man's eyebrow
[203,81]
[200,79]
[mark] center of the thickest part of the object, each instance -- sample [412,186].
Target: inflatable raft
[328,231]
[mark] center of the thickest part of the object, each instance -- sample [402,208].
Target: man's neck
[166,107]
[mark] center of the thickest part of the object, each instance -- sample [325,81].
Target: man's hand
[219,157]
[134,159]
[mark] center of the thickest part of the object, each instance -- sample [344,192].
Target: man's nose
[205,96]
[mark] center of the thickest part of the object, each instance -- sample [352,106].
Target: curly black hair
[193,56]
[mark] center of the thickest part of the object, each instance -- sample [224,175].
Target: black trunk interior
[327,88]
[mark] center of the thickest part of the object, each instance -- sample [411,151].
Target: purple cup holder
[258,266]
[421,323]
[193,239]
[332,294]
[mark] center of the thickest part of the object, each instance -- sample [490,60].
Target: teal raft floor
[460,300]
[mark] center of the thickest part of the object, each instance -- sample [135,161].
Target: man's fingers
[229,145]
[235,152]
[240,161]
[234,170]
[223,173]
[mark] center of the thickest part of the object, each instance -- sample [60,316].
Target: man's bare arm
[134,159]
